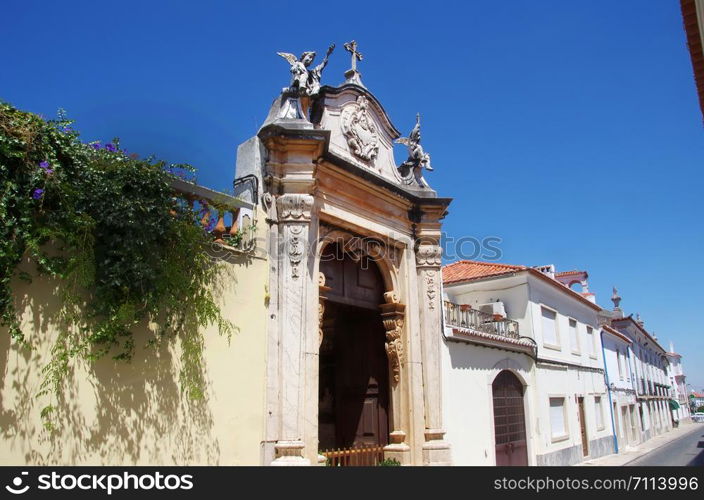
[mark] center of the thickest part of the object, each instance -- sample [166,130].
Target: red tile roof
[569,273]
[467,270]
[694,41]
[464,271]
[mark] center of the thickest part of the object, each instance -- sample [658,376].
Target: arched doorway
[353,404]
[509,420]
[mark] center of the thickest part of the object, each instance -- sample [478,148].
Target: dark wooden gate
[509,420]
[354,374]
[362,379]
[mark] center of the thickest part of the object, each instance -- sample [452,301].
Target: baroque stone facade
[335,177]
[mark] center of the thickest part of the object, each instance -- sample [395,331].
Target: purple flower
[38,193]
[210,225]
[45,166]
[67,130]
[110,147]
[95,145]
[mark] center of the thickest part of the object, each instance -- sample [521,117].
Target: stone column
[393,316]
[428,265]
[294,212]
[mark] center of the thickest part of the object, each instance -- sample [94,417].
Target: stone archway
[354,301]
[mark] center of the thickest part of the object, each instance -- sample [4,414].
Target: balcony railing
[463,316]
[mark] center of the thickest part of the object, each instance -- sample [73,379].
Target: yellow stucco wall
[134,413]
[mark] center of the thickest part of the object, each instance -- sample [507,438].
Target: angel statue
[417,158]
[305,82]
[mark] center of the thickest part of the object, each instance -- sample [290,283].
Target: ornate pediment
[360,130]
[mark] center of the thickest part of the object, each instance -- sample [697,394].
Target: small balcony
[463,316]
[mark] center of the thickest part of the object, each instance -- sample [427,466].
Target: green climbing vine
[108,227]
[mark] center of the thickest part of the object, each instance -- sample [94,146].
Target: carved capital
[294,207]
[429,255]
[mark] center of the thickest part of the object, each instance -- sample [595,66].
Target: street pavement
[680,446]
[685,450]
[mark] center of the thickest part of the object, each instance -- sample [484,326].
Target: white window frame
[565,420]
[591,338]
[578,350]
[557,346]
[599,413]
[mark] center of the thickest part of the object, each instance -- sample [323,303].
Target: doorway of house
[509,420]
[353,404]
[583,426]
[625,426]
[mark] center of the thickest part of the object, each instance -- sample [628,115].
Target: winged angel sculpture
[417,158]
[305,82]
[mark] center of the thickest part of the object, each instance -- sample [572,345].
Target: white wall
[468,372]
[469,380]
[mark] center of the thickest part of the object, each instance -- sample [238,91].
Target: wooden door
[355,362]
[583,427]
[634,425]
[509,420]
[625,426]
[362,380]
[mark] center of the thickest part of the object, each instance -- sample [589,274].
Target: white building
[523,377]
[678,386]
[649,369]
[621,386]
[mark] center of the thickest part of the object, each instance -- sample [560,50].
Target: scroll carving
[392,315]
[394,346]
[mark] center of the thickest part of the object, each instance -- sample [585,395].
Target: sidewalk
[631,453]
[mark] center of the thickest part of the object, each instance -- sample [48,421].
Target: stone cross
[351,47]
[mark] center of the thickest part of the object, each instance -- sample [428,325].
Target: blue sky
[570,130]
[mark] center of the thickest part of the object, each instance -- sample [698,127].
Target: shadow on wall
[109,412]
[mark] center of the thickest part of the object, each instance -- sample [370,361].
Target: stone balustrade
[231,221]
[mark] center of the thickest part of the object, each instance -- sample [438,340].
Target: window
[549,330]
[591,341]
[574,336]
[620,364]
[558,426]
[599,413]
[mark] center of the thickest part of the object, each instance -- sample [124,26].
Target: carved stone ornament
[360,130]
[392,315]
[305,81]
[294,207]
[430,288]
[394,345]
[296,249]
[429,255]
